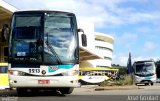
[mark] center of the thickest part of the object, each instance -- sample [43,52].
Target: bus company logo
[53,68]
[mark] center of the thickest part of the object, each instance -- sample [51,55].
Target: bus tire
[151,83]
[21,92]
[66,90]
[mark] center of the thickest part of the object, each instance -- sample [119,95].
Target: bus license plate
[43,81]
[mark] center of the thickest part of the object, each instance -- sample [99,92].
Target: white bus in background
[44,51]
[144,72]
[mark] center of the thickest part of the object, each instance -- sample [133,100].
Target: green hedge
[121,82]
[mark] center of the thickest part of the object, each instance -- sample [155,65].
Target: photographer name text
[142,98]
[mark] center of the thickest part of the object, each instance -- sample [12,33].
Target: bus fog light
[15,73]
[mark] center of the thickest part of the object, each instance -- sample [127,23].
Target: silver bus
[144,72]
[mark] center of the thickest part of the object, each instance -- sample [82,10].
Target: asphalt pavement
[89,93]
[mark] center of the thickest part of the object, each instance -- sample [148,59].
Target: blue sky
[134,24]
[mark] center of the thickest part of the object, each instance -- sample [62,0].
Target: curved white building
[96,58]
[103,47]
[99,48]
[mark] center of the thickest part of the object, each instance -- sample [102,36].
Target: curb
[116,88]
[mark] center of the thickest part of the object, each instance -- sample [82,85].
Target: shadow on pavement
[13,93]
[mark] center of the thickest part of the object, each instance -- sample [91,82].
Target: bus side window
[3,69]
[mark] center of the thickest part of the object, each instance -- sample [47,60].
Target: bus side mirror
[83,37]
[84,40]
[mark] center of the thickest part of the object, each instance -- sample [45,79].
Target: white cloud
[126,39]
[144,29]
[149,46]
[122,59]
[115,15]
[103,13]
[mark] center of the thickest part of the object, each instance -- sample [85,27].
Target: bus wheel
[21,92]
[66,90]
[151,83]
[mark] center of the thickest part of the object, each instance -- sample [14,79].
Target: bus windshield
[145,69]
[46,37]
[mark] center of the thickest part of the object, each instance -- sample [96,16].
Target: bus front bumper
[61,81]
[148,79]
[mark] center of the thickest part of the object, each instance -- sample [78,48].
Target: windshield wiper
[53,51]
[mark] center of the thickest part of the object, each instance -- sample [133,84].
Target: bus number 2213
[34,70]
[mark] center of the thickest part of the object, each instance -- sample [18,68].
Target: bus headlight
[15,72]
[70,73]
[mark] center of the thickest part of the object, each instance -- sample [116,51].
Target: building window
[100,40]
[107,58]
[103,48]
